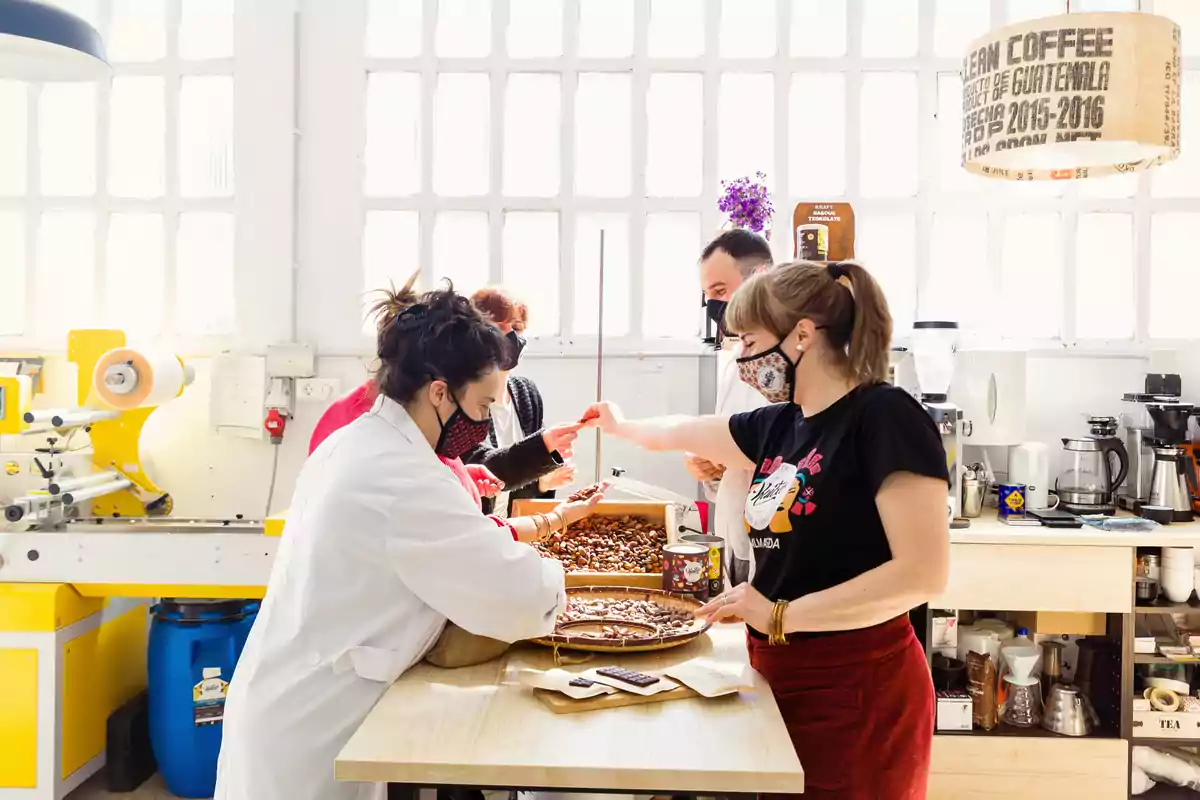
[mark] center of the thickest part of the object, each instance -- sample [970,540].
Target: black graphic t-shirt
[811,511]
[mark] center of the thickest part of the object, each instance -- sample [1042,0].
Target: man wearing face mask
[725,264]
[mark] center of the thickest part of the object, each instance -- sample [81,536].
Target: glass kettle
[1089,483]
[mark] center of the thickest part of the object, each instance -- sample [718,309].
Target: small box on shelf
[1062,622]
[953,711]
[1165,725]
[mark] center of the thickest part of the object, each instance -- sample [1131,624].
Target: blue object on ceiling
[40,42]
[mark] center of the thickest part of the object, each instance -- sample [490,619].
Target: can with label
[812,242]
[716,559]
[685,569]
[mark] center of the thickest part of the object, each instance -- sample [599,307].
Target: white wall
[220,476]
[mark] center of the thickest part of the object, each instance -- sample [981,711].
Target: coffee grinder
[934,343]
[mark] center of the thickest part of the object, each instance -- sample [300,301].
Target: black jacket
[521,465]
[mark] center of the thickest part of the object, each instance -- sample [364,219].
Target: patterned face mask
[461,434]
[771,373]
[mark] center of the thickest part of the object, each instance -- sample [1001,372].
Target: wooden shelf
[1143,658]
[1003,731]
[1152,741]
[1162,791]
[1160,607]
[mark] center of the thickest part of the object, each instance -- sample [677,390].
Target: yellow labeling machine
[81,557]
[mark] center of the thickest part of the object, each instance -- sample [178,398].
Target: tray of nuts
[619,545]
[615,618]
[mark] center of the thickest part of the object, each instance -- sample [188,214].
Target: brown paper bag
[458,648]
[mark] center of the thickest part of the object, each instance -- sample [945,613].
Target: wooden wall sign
[823,232]
[1072,96]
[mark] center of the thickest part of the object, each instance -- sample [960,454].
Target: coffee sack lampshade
[1072,96]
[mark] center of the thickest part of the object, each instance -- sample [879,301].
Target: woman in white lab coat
[382,547]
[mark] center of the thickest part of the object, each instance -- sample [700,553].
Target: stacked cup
[1177,577]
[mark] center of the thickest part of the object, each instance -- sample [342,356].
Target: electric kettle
[1090,481]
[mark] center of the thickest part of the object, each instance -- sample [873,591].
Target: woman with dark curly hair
[382,549]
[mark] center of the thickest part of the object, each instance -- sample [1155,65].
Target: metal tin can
[1149,567]
[1011,500]
[685,569]
[716,559]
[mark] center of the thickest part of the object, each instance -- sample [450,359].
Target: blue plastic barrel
[194,647]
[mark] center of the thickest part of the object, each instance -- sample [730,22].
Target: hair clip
[411,318]
[838,272]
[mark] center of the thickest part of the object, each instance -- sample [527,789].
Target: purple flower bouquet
[748,203]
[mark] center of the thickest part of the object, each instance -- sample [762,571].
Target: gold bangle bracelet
[777,636]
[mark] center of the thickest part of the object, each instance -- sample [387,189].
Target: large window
[139,201]
[495,141]
[502,137]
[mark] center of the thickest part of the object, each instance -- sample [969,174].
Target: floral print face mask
[771,373]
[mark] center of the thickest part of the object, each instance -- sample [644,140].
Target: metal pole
[600,351]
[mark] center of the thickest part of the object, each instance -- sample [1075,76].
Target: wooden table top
[478,727]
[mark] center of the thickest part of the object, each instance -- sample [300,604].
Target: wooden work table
[478,727]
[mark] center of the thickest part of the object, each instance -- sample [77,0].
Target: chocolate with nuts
[647,612]
[608,544]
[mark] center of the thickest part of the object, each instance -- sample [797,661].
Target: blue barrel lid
[195,610]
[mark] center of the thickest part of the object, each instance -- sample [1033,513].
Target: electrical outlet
[317,390]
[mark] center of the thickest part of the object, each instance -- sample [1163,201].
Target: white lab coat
[734,396]
[382,547]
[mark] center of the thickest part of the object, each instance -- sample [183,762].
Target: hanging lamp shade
[42,43]
[1070,97]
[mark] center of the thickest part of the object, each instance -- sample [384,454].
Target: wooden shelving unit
[1168,608]
[1144,658]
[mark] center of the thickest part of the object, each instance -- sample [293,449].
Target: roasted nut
[608,544]
[584,493]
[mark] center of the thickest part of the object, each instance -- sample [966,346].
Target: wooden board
[989,767]
[559,703]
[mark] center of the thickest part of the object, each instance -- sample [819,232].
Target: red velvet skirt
[859,709]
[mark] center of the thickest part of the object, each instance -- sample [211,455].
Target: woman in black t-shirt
[847,520]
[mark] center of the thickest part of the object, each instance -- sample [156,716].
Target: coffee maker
[934,343]
[1154,418]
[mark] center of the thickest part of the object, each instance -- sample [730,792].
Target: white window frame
[263,69]
[332,84]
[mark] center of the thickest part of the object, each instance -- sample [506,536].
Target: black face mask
[716,312]
[516,346]
[460,434]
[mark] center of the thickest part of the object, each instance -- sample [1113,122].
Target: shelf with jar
[996,677]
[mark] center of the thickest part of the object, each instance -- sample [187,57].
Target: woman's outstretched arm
[707,436]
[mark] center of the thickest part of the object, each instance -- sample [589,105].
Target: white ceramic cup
[1178,553]
[1177,584]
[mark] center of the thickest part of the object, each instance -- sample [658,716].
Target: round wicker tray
[564,638]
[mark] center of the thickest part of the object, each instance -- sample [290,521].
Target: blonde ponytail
[841,298]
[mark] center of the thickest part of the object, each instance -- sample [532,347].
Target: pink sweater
[359,402]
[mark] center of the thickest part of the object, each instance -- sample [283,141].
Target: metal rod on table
[92,492]
[82,481]
[47,414]
[84,416]
[600,352]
